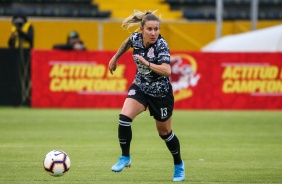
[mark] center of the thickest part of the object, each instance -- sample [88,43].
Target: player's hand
[141,60]
[112,65]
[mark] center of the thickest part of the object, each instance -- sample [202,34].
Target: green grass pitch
[217,146]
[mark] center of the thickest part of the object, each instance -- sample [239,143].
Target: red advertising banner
[80,79]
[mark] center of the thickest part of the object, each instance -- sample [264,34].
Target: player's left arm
[161,69]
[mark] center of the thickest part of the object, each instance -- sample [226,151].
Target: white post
[219,17]
[254,14]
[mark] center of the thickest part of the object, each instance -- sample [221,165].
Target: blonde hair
[139,18]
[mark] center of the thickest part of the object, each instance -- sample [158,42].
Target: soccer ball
[56,163]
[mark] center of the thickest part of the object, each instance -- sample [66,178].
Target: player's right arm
[123,48]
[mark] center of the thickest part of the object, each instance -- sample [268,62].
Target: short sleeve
[133,38]
[163,52]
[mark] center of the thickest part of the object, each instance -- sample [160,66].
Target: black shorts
[160,108]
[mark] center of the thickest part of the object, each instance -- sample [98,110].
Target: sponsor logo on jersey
[131,92]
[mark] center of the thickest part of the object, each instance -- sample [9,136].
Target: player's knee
[167,136]
[164,132]
[124,120]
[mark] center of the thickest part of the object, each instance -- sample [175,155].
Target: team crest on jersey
[150,53]
[131,92]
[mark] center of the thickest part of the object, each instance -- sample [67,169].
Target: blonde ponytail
[138,18]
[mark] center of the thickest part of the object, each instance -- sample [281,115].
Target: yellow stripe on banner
[121,9]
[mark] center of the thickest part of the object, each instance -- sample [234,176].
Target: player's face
[150,32]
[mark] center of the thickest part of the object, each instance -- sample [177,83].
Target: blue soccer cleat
[122,163]
[179,172]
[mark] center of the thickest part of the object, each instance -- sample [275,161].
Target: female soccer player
[151,87]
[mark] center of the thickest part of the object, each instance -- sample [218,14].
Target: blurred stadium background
[188,25]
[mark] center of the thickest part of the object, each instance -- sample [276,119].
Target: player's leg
[131,108]
[162,112]
[171,140]
[172,143]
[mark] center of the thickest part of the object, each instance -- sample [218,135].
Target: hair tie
[148,12]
